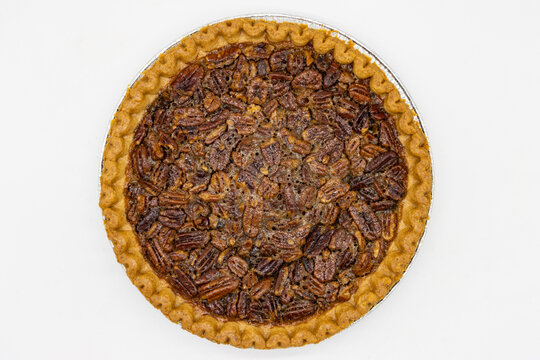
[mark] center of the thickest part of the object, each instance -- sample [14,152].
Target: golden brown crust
[374,287]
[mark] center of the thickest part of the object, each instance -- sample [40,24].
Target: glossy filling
[265,182]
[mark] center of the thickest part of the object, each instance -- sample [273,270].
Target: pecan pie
[264,184]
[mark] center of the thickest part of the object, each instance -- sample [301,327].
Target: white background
[472,68]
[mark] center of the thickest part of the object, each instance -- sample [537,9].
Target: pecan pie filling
[265,182]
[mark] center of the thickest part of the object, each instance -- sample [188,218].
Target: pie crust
[372,288]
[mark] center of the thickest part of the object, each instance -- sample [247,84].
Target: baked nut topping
[265,182]
[165,218]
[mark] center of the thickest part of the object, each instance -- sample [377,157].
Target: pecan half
[309,79]
[307,197]
[257,91]
[324,270]
[389,225]
[173,218]
[244,124]
[268,266]
[190,240]
[218,288]
[252,217]
[267,189]
[359,93]
[222,57]
[298,310]
[261,288]
[367,221]
[296,62]
[290,199]
[332,190]
[206,259]
[234,104]
[317,240]
[211,102]
[271,152]
[147,220]
[237,265]
[315,286]
[318,133]
[332,75]
[188,116]
[382,161]
[183,284]
[188,79]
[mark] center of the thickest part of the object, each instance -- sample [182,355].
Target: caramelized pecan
[281,281]
[173,218]
[271,152]
[147,220]
[234,104]
[243,305]
[188,116]
[216,81]
[252,217]
[296,62]
[332,75]
[369,151]
[222,57]
[317,133]
[362,264]
[211,102]
[389,225]
[183,284]
[340,168]
[191,240]
[309,79]
[188,79]
[324,269]
[388,136]
[268,266]
[377,112]
[398,173]
[382,161]
[394,190]
[298,310]
[288,101]
[290,199]
[383,205]
[341,240]
[362,122]
[267,189]
[216,120]
[347,109]
[237,265]
[258,51]
[260,288]
[257,91]
[278,60]
[332,190]
[359,93]
[206,259]
[244,124]
[157,257]
[317,240]
[367,221]
[207,276]
[218,288]
[307,197]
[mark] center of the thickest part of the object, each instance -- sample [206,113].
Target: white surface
[472,69]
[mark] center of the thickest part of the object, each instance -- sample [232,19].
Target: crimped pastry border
[372,289]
